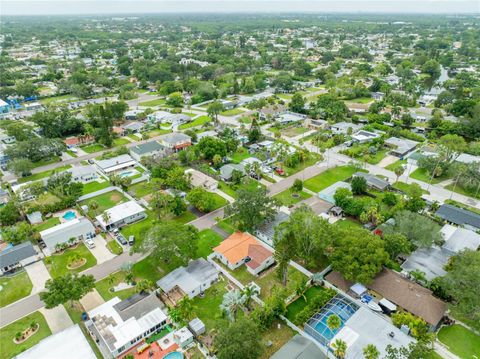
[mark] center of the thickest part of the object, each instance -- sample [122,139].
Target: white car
[90,243]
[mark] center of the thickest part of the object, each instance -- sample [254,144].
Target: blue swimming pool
[69,215]
[173,355]
[317,325]
[127,174]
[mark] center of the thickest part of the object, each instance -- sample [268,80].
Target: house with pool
[121,215]
[84,174]
[115,165]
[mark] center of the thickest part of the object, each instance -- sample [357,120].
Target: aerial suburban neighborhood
[252,186]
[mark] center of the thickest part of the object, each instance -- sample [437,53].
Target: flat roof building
[115,164]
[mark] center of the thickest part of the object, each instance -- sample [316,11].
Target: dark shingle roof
[16,253]
[458,215]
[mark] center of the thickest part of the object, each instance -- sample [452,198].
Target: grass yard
[120,141]
[348,224]
[284,96]
[50,160]
[61,98]
[8,349]
[392,166]
[278,334]
[240,154]
[157,132]
[460,341]
[294,131]
[94,147]
[207,309]
[103,286]
[49,223]
[226,226]
[138,229]
[232,112]
[404,187]
[362,100]
[422,175]
[460,190]
[297,306]
[147,269]
[377,157]
[142,189]
[153,103]
[286,197]
[57,263]
[38,176]
[329,177]
[114,247]
[14,288]
[199,121]
[231,189]
[106,200]
[219,201]
[208,240]
[309,161]
[185,217]
[95,186]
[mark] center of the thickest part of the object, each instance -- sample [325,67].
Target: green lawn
[348,224]
[114,247]
[95,186]
[207,309]
[49,223]
[157,132]
[153,103]
[309,161]
[286,197]
[14,288]
[226,225]
[240,154]
[294,131]
[231,189]
[362,100]
[142,189]
[147,269]
[392,166]
[219,200]
[120,141]
[377,157]
[50,160]
[199,121]
[232,112]
[208,240]
[297,306]
[329,177]
[106,200]
[57,263]
[103,286]
[185,217]
[460,190]
[404,187]
[460,341]
[138,229]
[8,349]
[63,98]
[422,175]
[37,176]
[95,147]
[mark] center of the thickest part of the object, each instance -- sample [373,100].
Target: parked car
[280,171]
[121,239]
[90,243]
[131,240]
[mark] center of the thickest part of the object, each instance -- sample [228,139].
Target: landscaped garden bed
[73,260]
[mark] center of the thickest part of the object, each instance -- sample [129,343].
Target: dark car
[121,239]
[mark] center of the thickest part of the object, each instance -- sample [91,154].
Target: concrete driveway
[57,318]
[91,300]
[101,252]
[38,274]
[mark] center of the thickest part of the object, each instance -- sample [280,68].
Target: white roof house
[122,214]
[121,324]
[467,159]
[342,127]
[290,117]
[114,164]
[200,179]
[363,136]
[78,228]
[69,343]
[83,174]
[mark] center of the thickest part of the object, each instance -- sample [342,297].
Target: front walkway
[38,274]
[57,318]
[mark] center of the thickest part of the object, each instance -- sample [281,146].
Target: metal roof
[458,215]
[17,253]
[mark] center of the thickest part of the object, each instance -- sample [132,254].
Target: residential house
[400,147]
[378,95]
[176,141]
[226,171]
[113,165]
[4,158]
[17,256]
[363,136]
[132,114]
[459,216]
[118,325]
[288,117]
[69,343]
[206,134]
[243,248]
[4,197]
[467,158]
[373,181]
[402,292]
[151,149]
[121,215]
[266,231]
[299,347]
[316,124]
[83,174]
[75,230]
[4,107]
[133,127]
[199,179]
[75,141]
[343,128]
[195,278]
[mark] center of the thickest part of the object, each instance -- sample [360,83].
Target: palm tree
[106,218]
[334,322]
[248,292]
[371,352]
[340,348]
[93,205]
[398,171]
[231,303]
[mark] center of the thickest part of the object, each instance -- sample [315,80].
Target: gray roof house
[78,228]
[114,164]
[266,231]
[400,146]
[148,149]
[192,280]
[373,181]
[83,174]
[176,140]
[459,216]
[299,347]
[227,170]
[133,126]
[17,256]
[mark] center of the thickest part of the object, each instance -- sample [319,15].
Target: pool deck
[60,215]
[153,352]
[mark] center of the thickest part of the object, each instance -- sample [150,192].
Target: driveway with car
[100,250]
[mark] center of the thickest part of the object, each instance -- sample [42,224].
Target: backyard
[208,240]
[94,147]
[310,160]
[8,348]
[240,154]
[105,201]
[70,261]
[277,335]
[232,112]
[300,303]
[38,176]
[153,103]
[231,189]
[460,341]
[329,177]
[14,287]
[49,223]
[94,186]
[199,121]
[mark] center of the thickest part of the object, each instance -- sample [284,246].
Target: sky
[78,7]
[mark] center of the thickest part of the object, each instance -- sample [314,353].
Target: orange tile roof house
[243,248]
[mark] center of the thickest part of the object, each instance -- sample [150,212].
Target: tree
[371,352]
[297,104]
[241,339]
[358,255]
[451,146]
[372,215]
[254,134]
[462,282]
[297,185]
[171,243]
[334,322]
[67,288]
[18,233]
[175,99]
[359,185]
[284,243]
[21,167]
[143,285]
[339,348]
[252,208]
[201,199]
[232,301]
[421,231]
[398,171]
[431,67]
[9,214]
[211,146]
[395,244]
[214,110]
